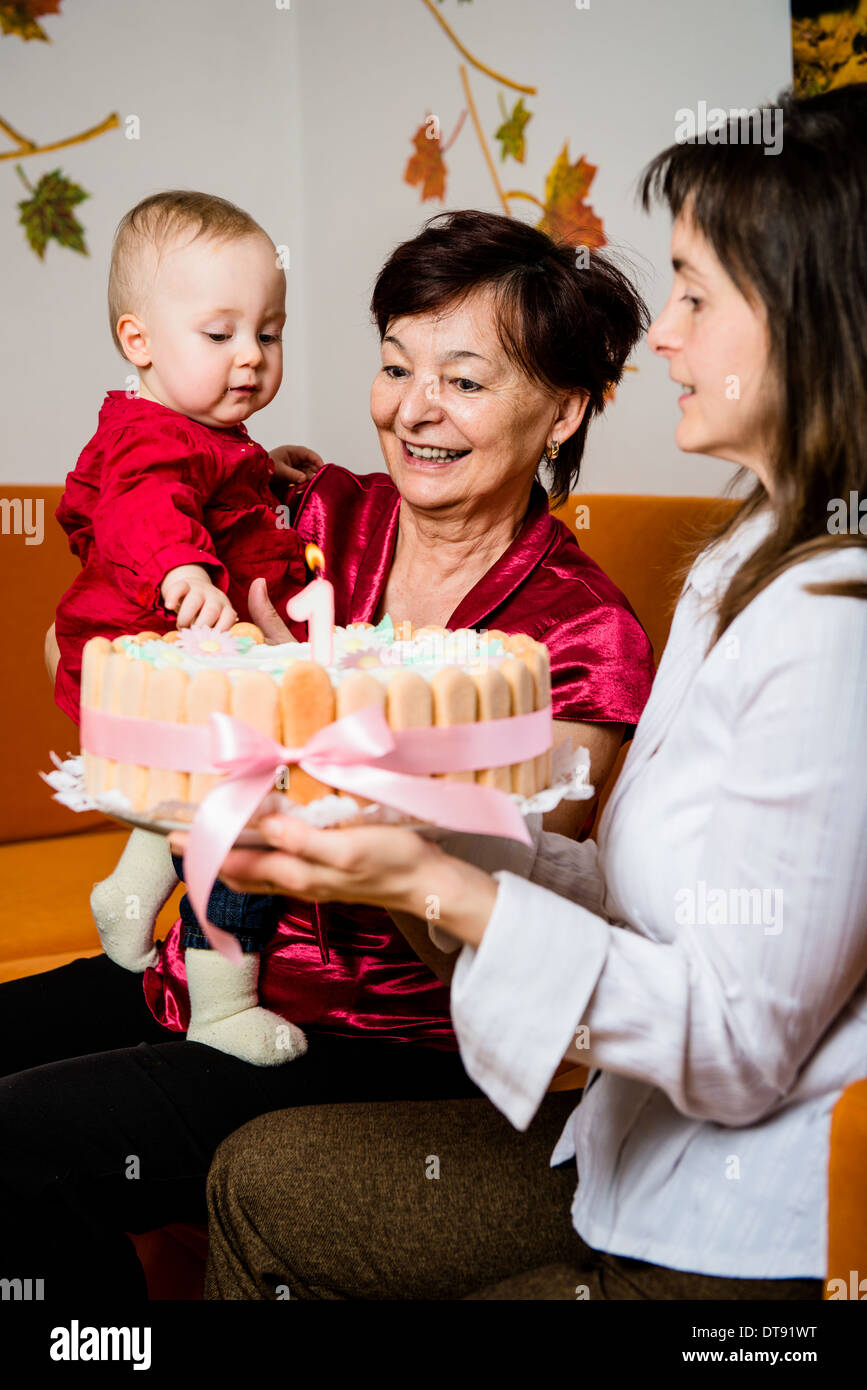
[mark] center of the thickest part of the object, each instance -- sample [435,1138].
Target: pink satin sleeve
[601,667]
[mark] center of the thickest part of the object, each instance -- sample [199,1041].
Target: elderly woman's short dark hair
[567,320]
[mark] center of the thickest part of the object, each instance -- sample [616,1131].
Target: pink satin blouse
[601,670]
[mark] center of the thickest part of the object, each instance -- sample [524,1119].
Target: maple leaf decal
[427,166]
[49,212]
[511,132]
[830,54]
[567,217]
[21,18]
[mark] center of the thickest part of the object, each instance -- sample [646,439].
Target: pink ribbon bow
[344,755]
[359,754]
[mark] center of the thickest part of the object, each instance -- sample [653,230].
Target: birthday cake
[423,678]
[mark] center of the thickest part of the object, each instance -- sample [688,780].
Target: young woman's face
[716,343]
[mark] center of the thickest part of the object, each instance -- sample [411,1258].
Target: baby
[174,510]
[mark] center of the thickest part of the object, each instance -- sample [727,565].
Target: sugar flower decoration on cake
[361,660]
[203,641]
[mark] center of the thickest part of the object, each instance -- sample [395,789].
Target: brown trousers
[420,1200]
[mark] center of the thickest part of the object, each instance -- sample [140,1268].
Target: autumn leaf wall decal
[567,216]
[829,46]
[511,132]
[426,166]
[21,18]
[47,215]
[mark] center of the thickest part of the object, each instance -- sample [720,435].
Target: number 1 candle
[315,604]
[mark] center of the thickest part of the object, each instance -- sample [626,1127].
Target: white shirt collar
[716,565]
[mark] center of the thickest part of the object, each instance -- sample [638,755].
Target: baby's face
[213,322]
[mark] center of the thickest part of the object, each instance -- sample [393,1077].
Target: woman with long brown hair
[709,961]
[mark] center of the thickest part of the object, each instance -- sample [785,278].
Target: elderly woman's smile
[437,454]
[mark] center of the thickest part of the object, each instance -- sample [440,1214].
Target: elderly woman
[497,351]
[709,963]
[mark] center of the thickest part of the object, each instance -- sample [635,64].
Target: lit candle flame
[313,558]
[315,606]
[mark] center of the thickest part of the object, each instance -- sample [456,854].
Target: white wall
[214,84]
[304,117]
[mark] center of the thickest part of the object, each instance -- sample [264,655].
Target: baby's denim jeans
[251,917]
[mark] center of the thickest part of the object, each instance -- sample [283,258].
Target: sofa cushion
[645,544]
[33,578]
[46,918]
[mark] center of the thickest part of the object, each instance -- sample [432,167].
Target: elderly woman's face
[457,422]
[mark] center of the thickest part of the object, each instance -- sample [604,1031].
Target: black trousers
[109,1122]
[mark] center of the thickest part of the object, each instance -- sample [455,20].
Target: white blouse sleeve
[723,1017]
[555,860]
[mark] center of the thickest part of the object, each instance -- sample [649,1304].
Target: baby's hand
[295,462]
[200,603]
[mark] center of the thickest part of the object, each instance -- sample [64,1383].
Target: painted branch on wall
[566,216]
[47,214]
[565,213]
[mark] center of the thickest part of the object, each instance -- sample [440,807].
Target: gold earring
[553,450]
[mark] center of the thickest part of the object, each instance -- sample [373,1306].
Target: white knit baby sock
[125,905]
[225,1011]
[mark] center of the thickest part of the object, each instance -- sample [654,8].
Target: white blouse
[709,958]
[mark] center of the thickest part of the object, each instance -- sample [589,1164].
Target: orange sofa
[50,857]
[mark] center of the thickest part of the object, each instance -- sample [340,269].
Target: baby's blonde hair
[150,226]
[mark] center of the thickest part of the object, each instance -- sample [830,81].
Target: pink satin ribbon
[359,754]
